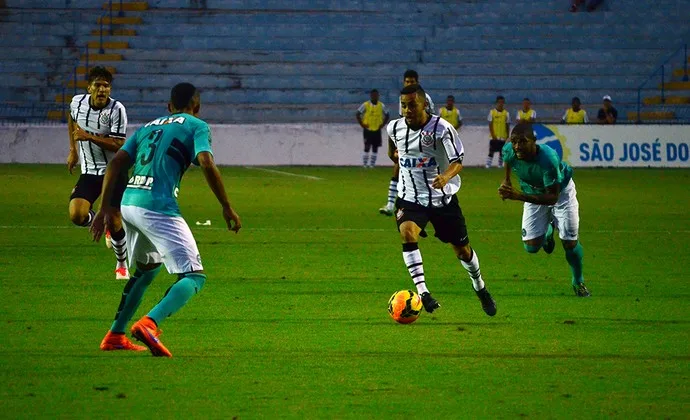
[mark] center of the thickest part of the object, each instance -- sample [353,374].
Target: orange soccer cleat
[113,341]
[146,331]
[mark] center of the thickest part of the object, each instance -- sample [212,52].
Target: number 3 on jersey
[152,140]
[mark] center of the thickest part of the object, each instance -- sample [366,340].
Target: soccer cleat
[488,303]
[549,243]
[113,341]
[108,239]
[581,290]
[146,331]
[121,273]
[388,211]
[430,304]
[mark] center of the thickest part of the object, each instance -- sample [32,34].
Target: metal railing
[662,69]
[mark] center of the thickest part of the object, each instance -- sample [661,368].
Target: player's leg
[117,235]
[500,153]
[567,216]
[535,225]
[174,239]
[374,155]
[85,192]
[148,266]
[365,154]
[450,227]
[392,192]
[411,219]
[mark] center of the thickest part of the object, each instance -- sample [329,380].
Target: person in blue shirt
[159,153]
[549,196]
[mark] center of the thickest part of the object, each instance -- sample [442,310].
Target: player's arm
[548,199]
[455,152]
[73,156]
[111,144]
[392,150]
[442,179]
[104,217]
[506,178]
[215,182]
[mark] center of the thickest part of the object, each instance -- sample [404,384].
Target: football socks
[574,257]
[131,298]
[413,261]
[472,267]
[119,242]
[177,296]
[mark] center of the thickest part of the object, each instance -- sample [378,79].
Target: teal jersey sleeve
[202,141]
[130,146]
[551,166]
[508,153]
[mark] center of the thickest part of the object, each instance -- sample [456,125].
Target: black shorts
[496,145]
[448,221]
[372,138]
[89,188]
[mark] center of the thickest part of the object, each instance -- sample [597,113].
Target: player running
[548,191]
[97,128]
[430,155]
[410,77]
[160,152]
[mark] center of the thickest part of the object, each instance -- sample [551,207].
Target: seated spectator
[575,114]
[591,6]
[607,114]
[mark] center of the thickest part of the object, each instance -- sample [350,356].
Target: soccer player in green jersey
[160,152]
[548,191]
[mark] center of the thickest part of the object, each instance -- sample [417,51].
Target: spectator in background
[591,6]
[526,114]
[371,116]
[575,114]
[607,114]
[499,127]
[451,114]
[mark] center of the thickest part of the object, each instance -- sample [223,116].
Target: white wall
[341,144]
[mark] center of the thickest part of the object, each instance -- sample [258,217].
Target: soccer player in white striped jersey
[97,129]
[430,156]
[410,77]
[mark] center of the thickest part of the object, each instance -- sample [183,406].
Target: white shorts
[536,217]
[154,238]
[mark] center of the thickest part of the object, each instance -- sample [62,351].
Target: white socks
[472,268]
[413,261]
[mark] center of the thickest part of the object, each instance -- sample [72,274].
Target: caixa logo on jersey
[424,162]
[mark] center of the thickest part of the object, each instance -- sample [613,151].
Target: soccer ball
[405,306]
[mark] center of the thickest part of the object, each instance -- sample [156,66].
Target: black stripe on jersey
[407,140]
[176,144]
[88,112]
[110,117]
[395,138]
[99,118]
[119,120]
[435,127]
[79,108]
[177,157]
[428,185]
[442,191]
[93,158]
[414,188]
[452,141]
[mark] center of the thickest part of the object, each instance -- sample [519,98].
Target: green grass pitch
[292,321]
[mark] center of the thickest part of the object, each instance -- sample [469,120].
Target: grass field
[292,321]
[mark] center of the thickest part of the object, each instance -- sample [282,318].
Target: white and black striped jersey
[110,121]
[424,154]
[431,109]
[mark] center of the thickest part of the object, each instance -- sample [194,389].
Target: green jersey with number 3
[161,151]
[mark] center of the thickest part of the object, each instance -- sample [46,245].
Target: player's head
[99,87]
[607,102]
[184,97]
[450,101]
[524,141]
[576,103]
[500,102]
[526,103]
[413,104]
[374,96]
[410,77]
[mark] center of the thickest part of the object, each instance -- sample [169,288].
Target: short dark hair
[374,91]
[499,97]
[451,97]
[575,99]
[523,129]
[525,99]
[182,94]
[413,89]
[411,73]
[100,72]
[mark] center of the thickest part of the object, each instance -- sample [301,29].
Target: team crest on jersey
[427,138]
[104,119]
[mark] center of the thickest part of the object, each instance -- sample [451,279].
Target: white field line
[316,229]
[273,171]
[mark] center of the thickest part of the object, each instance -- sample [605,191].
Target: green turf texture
[293,319]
